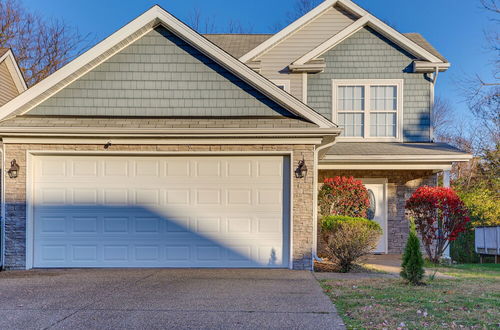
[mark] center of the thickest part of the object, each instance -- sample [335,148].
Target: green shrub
[412,268]
[347,239]
[343,196]
[463,249]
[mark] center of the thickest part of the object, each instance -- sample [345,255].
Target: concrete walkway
[154,299]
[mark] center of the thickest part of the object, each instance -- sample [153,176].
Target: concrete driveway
[166,298]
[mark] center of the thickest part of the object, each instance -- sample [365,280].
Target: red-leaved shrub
[439,216]
[343,196]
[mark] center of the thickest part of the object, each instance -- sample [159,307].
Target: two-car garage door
[126,211]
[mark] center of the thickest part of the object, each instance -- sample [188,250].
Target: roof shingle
[392,149]
[237,44]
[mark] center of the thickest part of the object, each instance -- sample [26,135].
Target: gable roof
[7,57]
[374,23]
[135,30]
[365,18]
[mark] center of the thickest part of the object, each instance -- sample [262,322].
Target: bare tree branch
[41,46]
[441,118]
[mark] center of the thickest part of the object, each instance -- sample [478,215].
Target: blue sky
[454,27]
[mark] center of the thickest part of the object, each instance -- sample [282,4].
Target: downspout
[433,78]
[329,144]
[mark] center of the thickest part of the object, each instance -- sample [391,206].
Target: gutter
[398,159]
[162,132]
[329,143]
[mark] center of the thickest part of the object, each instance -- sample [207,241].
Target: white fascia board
[377,25]
[14,71]
[154,16]
[397,158]
[429,67]
[438,166]
[181,132]
[299,23]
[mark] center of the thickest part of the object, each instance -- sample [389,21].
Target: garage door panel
[160,212]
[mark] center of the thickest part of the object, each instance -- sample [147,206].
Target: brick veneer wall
[401,185]
[15,194]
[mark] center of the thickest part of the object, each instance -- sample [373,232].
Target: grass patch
[468,270]
[472,300]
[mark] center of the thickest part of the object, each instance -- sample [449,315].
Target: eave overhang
[429,67]
[315,66]
[161,132]
[392,162]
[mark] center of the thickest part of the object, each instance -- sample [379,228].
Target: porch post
[446,184]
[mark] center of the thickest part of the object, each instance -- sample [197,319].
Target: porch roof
[378,155]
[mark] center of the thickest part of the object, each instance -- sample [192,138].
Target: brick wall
[15,194]
[401,185]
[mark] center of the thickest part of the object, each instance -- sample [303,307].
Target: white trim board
[14,71]
[160,141]
[398,158]
[91,132]
[131,32]
[437,166]
[367,83]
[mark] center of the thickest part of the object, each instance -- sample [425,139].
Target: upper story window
[283,84]
[369,109]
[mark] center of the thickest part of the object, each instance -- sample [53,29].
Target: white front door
[378,210]
[128,211]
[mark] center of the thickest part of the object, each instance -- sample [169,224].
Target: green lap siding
[159,75]
[368,55]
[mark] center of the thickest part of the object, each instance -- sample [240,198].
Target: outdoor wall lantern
[13,170]
[301,170]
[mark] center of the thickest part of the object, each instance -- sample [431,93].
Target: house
[11,79]
[161,147]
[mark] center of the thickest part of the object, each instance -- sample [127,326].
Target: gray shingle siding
[368,55]
[159,75]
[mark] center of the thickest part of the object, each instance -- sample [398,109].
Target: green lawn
[470,300]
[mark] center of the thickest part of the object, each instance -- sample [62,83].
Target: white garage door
[117,211]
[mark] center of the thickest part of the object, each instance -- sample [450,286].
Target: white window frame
[367,83]
[284,83]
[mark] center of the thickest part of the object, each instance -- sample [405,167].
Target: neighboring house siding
[368,55]
[275,61]
[8,89]
[159,75]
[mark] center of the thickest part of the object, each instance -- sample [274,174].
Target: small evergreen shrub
[412,268]
[347,239]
